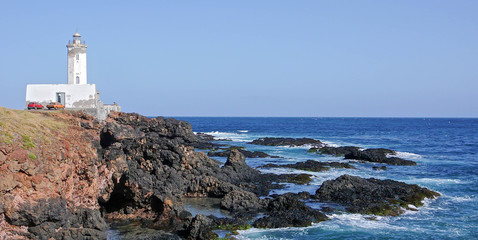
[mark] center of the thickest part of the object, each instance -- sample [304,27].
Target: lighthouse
[77,94]
[77,60]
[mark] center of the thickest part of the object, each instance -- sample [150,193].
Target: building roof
[76,35]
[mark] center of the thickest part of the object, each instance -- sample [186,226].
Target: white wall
[77,68]
[76,96]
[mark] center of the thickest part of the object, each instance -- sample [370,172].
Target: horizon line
[171,116]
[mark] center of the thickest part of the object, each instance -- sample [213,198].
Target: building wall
[76,96]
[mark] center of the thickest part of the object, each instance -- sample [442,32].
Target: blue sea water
[446,151]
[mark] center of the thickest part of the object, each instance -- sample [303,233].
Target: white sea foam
[243,131]
[405,155]
[258,233]
[438,181]
[331,144]
[359,221]
[237,137]
[463,198]
[423,211]
[305,146]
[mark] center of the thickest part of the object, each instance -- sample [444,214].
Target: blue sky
[253,58]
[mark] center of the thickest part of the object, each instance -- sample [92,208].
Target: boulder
[241,201]
[378,155]
[236,170]
[288,211]
[372,196]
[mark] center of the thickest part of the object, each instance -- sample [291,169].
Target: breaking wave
[405,155]
[237,137]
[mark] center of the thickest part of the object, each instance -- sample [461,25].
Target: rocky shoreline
[68,176]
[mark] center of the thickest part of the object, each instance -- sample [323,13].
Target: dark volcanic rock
[288,211]
[201,228]
[247,154]
[378,155]
[379,168]
[48,215]
[336,151]
[237,172]
[205,136]
[241,201]
[205,142]
[313,166]
[236,169]
[372,196]
[286,141]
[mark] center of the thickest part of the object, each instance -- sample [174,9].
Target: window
[77,80]
[77,56]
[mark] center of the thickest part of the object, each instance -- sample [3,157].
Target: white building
[77,94]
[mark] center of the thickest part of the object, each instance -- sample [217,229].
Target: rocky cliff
[63,173]
[50,175]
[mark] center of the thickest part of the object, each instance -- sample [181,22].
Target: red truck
[34,105]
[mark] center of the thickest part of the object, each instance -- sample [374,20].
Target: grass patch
[27,142]
[28,127]
[32,156]
[6,138]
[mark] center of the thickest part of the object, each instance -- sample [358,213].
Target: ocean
[444,148]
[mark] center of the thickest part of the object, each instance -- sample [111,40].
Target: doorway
[60,97]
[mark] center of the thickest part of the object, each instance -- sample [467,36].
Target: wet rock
[378,155]
[268,141]
[312,166]
[336,151]
[379,168]
[372,196]
[288,211]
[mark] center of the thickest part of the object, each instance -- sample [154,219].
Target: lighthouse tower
[76,60]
